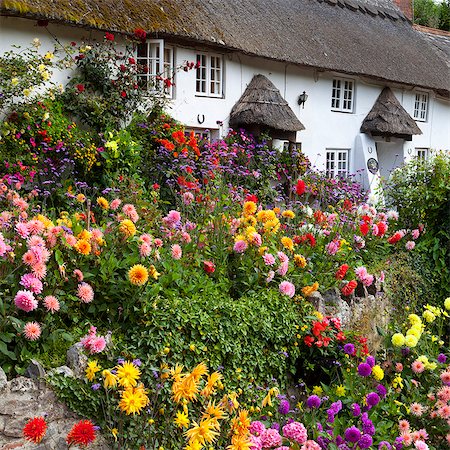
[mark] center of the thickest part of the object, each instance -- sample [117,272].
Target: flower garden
[186,271]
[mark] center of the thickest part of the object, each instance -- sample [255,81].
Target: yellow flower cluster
[86,156]
[133,395]
[189,387]
[300,261]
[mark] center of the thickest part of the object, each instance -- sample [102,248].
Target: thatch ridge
[357,37]
[388,118]
[262,104]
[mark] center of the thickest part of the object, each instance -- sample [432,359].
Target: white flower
[36,43]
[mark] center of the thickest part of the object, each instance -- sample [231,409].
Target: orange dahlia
[35,429]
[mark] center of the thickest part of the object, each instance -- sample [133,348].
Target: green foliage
[253,337]
[420,191]
[432,14]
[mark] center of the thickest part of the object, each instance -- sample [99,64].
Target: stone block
[3,380]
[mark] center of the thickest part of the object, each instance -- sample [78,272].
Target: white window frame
[421,105]
[159,59]
[206,83]
[337,162]
[422,153]
[342,95]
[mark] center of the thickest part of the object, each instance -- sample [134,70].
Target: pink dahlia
[115,204]
[287,288]
[51,303]
[295,431]
[29,281]
[284,267]
[85,293]
[417,366]
[39,270]
[310,445]
[25,301]
[271,438]
[257,428]
[176,251]
[255,442]
[240,246]
[269,260]
[32,331]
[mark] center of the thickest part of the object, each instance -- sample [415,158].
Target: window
[422,153]
[336,163]
[208,80]
[342,95]
[155,67]
[421,106]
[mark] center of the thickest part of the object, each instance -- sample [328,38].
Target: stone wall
[24,398]
[364,311]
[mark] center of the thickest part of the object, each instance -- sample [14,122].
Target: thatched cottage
[350,81]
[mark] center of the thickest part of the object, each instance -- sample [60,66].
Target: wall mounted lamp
[302,99]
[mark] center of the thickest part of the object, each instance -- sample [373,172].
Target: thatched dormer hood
[261,104]
[388,118]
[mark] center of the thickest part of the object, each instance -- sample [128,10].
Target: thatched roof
[388,118]
[262,104]
[358,37]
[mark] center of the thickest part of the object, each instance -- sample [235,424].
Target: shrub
[420,191]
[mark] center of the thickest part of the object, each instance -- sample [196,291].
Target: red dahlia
[35,429]
[341,272]
[209,266]
[349,288]
[81,434]
[300,188]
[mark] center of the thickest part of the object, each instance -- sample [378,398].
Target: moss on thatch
[262,104]
[388,118]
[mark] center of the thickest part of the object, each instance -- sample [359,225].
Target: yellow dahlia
[204,432]
[127,228]
[128,374]
[133,400]
[102,202]
[91,369]
[249,208]
[308,290]
[300,261]
[288,214]
[181,420]
[109,379]
[138,275]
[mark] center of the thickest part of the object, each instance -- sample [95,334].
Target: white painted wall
[324,128]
